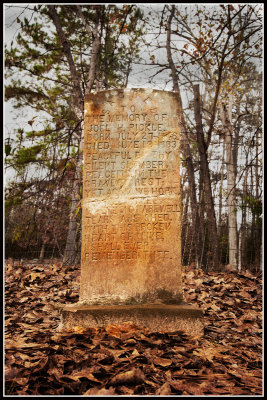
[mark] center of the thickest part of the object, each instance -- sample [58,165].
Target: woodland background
[211,55]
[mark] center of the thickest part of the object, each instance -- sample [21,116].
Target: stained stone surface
[131,201]
[131,223]
[155,317]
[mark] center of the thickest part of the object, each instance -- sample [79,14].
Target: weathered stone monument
[131,224]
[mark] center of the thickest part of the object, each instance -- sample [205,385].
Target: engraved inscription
[131,204]
[109,131]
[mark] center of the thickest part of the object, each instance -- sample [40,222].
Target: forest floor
[126,359]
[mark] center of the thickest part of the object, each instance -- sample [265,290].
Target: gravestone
[131,223]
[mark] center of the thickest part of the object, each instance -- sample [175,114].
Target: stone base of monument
[154,317]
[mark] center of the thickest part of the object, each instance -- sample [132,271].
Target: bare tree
[185,146]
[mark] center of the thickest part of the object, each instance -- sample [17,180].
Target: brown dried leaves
[125,360]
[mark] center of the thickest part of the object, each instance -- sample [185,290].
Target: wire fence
[249,242]
[38,229]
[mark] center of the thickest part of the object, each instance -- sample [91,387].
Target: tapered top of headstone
[129,91]
[144,100]
[131,199]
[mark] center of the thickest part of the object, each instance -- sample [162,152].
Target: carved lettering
[131,210]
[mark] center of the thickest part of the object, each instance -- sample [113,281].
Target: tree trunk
[70,253]
[185,147]
[67,51]
[258,238]
[185,204]
[205,178]
[219,229]
[226,115]
[231,203]
[95,46]
[243,227]
[71,247]
[42,252]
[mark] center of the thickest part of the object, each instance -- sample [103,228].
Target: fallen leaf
[132,377]
[100,392]
[162,362]
[164,390]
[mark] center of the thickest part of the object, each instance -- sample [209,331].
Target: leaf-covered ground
[126,359]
